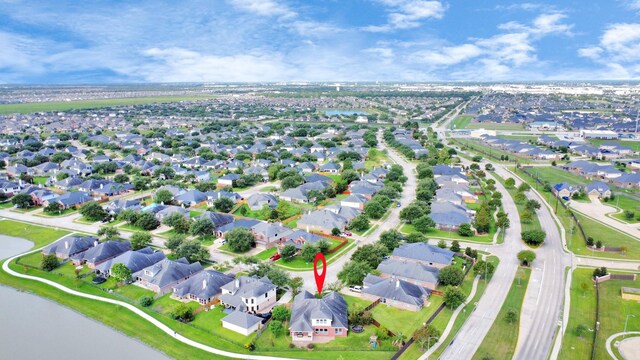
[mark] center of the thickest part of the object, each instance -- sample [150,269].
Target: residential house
[395,292]
[228,180]
[249,294]
[70,199]
[133,260]
[102,252]
[258,200]
[424,254]
[163,276]
[318,320]
[218,219]
[565,189]
[202,287]
[410,271]
[598,189]
[267,234]
[117,206]
[323,221]
[70,246]
[448,216]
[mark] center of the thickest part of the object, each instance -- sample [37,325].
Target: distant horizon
[239,41]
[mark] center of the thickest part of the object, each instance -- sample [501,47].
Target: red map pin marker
[319,277]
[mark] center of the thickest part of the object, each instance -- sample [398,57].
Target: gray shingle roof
[242,319]
[168,271]
[395,289]
[204,285]
[410,270]
[306,307]
[70,245]
[424,252]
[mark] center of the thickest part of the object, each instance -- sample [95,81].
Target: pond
[343,112]
[35,328]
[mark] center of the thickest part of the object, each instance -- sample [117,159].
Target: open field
[441,234]
[624,202]
[500,341]
[92,104]
[635,145]
[613,313]
[461,122]
[38,234]
[405,321]
[553,175]
[495,126]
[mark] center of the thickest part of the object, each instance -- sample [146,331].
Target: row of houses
[606,173]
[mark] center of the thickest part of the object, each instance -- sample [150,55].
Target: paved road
[597,210]
[392,222]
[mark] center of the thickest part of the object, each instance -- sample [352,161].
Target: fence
[596,326]
[575,219]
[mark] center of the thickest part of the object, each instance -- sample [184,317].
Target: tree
[280,313]
[524,187]
[511,316]
[276,327]
[140,240]
[410,213]
[526,216]
[147,221]
[465,230]
[179,222]
[510,183]
[354,272]
[390,239]
[359,223]
[121,272]
[426,335]
[49,262]
[164,197]
[374,210]
[288,252]
[455,246]
[503,221]
[599,244]
[415,237]
[526,257]
[335,231]
[533,237]
[182,312]
[295,284]
[323,246]
[202,227]
[532,205]
[519,197]
[424,224]
[483,268]
[174,242]
[451,275]
[92,211]
[453,296]
[223,204]
[53,208]
[22,200]
[121,178]
[599,272]
[192,250]
[372,254]
[581,330]
[424,170]
[145,301]
[109,232]
[482,222]
[278,277]
[308,252]
[398,339]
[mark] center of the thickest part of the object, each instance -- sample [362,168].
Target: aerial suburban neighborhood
[286,179]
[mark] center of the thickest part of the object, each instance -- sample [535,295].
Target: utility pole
[625,325]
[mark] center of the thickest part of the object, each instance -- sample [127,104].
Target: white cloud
[449,55]
[407,14]
[264,7]
[618,51]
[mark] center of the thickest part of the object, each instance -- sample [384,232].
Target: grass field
[38,234]
[635,145]
[625,203]
[495,126]
[461,122]
[376,158]
[265,254]
[500,341]
[441,234]
[554,175]
[91,104]
[298,263]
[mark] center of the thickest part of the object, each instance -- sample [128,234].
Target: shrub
[145,301]
[49,262]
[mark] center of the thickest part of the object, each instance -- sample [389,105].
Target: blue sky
[331,40]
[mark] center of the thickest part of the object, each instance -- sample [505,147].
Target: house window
[265,295]
[338,331]
[252,300]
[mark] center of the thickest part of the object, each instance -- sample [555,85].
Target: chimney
[237,282]
[66,244]
[204,284]
[95,243]
[397,283]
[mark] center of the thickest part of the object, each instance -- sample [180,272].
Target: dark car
[265,317]
[98,280]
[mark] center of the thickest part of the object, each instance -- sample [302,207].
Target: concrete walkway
[598,211]
[628,350]
[452,354]
[164,328]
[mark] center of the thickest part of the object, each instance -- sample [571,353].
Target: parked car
[398,204]
[347,233]
[355,288]
[275,257]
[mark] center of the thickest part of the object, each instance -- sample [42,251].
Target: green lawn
[487,151]
[40,180]
[25,108]
[353,302]
[376,158]
[554,175]
[461,122]
[64,212]
[501,341]
[535,222]
[298,263]
[6,205]
[625,203]
[38,234]
[635,145]
[405,321]
[495,126]
[582,311]
[194,213]
[265,254]
[441,234]
[211,321]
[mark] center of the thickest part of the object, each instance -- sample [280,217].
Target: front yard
[405,321]
[38,234]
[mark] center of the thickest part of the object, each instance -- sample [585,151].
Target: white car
[355,288]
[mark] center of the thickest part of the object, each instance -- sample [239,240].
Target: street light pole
[429,343]
[625,325]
